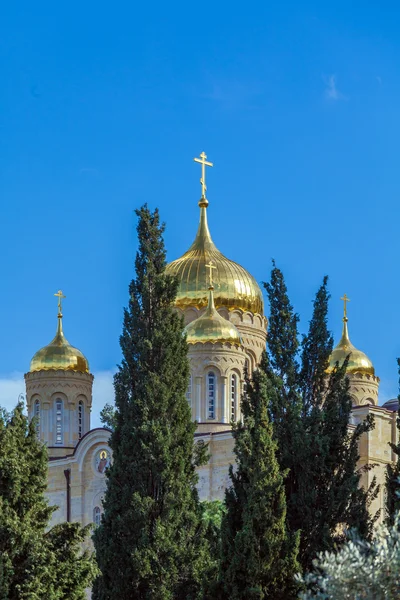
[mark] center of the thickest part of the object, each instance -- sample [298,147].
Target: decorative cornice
[59,375]
[373,379]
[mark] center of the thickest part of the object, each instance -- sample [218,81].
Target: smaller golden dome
[59,355]
[212,327]
[358,360]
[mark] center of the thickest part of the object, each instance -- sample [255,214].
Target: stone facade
[62,401]
[364,388]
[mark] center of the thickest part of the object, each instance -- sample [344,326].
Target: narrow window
[211,395]
[97,515]
[233,397]
[189,392]
[246,374]
[37,415]
[59,421]
[80,419]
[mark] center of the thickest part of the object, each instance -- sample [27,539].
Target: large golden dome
[59,355]
[212,327]
[234,286]
[358,360]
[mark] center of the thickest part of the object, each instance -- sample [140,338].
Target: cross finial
[60,297]
[211,267]
[345,300]
[204,163]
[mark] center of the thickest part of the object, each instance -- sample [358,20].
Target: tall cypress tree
[322,487]
[282,369]
[258,554]
[151,544]
[35,562]
[392,482]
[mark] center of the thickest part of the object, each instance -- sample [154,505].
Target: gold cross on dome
[204,163]
[60,297]
[345,300]
[211,267]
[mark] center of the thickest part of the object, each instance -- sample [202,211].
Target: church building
[223,310]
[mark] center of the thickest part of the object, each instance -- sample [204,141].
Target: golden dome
[59,355]
[358,361]
[235,287]
[212,327]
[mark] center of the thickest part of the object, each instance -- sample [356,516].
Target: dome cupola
[59,354]
[234,286]
[211,326]
[358,360]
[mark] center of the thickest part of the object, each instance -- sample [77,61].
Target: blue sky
[104,106]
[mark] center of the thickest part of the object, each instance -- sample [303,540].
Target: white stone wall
[87,484]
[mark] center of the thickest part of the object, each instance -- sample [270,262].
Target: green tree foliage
[151,543]
[310,411]
[392,482]
[361,570]
[108,416]
[258,555]
[212,512]
[35,562]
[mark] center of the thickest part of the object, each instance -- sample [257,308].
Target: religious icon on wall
[102,461]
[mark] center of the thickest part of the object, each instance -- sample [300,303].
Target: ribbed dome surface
[59,355]
[234,286]
[212,327]
[358,360]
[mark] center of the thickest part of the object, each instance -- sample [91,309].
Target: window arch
[81,415]
[234,390]
[211,388]
[189,392]
[246,374]
[59,421]
[37,415]
[97,515]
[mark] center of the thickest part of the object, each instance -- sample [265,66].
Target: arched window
[211,394]
[234,387]
[246,374]
[97,515]
[189,392]
[59,421]
[37,415]
[80,419]
[247,367]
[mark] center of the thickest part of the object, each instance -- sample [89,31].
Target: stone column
[198,398]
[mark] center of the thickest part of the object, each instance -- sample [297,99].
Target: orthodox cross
[211,267]
[60,296]
[345,300]
[204,163]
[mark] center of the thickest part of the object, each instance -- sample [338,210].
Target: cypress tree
[392,482]
[151,542]
[258,554]
[322,488]
[35,562]
[282,370]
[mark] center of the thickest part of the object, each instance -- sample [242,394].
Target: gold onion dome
[212,327]
[358,360]
[235,287]
[59,354]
